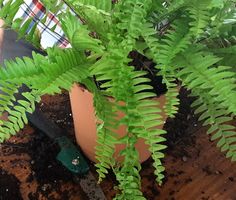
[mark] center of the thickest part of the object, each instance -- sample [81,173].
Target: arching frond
[199,72]
[16,111]
[163,52]
[45,76]
[199,12]
[218,118]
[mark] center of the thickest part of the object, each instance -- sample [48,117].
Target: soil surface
[9,186]
[195,169]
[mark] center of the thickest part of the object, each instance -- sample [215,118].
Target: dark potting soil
[9,187]
[43,152]
[140,62]
[178,134]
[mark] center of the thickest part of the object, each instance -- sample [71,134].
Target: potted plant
[189,41]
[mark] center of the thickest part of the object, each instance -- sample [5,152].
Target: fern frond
[21,71]
[171,106]
[165,9]
[82,41]
[163,52]
[59,71]
[99,4]
[101,44]
[199,12]
[152,135]
[114,86]
[7,95]
[147,121]
[54,6]
[45,76]
[70,24]
[133,16]
[198,72]
[106,138]
[17,115]
[226,53]
[65,67]
[219,119]
[175,41]
[9,10]
[96,14]
[129,178]
[8,14]
[223,21]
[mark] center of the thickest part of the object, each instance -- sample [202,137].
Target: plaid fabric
[35,9]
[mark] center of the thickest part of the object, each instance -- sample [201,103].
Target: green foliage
[129,178]
[218,81]
[163,52]
[101,5]
[190,43]
[218,119]
[17,114]
[215,88]
[106,120]
[198,11]
[96,14]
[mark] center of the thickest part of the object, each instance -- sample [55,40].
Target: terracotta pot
[85,126]
[1,37]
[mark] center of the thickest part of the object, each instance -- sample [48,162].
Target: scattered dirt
[45,168]
[9,186]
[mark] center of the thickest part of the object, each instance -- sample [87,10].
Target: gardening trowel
[69,156]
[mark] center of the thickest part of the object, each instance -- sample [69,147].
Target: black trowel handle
[40,121]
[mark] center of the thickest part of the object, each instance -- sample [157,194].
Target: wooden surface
[204,174]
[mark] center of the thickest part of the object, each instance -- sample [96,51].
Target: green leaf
[82,41]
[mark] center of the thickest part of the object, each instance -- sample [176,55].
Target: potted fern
[189,42]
